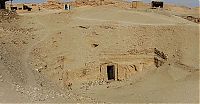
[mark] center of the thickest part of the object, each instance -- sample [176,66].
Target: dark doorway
[111,72]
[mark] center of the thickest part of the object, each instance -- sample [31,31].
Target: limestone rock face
[53,4]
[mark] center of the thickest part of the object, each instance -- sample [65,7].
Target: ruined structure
[53,4]
[67,7]
[192,18]
[137,4]
[18,7]
[123,66]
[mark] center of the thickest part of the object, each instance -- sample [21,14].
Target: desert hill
[57,56]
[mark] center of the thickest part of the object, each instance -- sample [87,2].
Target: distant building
[67,7]
[157,3]
[137,4]
[18,7]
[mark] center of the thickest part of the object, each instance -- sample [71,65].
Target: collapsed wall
[7,16]
[53,4]
[56,4]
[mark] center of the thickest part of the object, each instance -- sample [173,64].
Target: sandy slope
[18,83]
[127,29]
[34,62]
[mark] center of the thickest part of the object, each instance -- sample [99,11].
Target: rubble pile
[6,15]
[192,18]
[79,3]
[56,4]
[52,4]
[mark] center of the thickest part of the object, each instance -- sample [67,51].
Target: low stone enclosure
[123,66]
[192,18]
[17,7]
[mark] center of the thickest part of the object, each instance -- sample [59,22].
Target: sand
[43,52]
